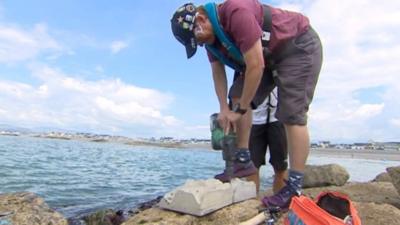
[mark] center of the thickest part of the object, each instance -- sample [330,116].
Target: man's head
[190,26]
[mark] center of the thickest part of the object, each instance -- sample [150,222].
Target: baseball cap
[182,24]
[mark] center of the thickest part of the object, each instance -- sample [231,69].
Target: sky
[114,67]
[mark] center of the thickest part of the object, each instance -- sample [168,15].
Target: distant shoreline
[317,152]
[338,153]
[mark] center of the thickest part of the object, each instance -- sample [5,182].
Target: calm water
[80,177]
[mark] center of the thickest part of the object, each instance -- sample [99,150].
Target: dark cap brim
[190,51]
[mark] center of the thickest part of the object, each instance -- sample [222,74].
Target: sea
[77,178]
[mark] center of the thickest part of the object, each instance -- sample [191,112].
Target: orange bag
[330,208]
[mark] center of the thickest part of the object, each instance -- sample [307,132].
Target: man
[268,132]
[248,36]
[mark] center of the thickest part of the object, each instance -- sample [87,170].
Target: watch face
[237,109]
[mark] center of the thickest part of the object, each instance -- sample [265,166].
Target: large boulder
[370,214]
[373,214]
[27,209]
[377,192]
[325,175]
[394,173]
[382,177]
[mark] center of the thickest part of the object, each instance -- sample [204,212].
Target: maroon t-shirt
[242,21]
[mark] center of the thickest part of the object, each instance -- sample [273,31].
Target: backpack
[329,208]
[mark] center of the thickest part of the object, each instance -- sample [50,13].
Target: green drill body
[226,143]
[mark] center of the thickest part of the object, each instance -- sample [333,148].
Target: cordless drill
[226,143]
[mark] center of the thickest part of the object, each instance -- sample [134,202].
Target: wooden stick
[260,218]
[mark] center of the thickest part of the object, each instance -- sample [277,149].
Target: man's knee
[280,166]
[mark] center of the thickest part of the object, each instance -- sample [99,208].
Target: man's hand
[232,121]
[223,119]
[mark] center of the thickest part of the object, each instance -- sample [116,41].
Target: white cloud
[63,101]
[361,52]
[361,42]
[117,46]
[17,44]
[363,112]
[396,122]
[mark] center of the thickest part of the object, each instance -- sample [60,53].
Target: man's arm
[254,70]
[220,84]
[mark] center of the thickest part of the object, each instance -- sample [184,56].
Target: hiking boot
[281,199]
[239,170]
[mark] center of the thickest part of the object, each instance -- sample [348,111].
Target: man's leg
[243,136]
[298,143]
[258,145]
[297,76]
[278,153]
[243,127]
[256,179]
[279,180]
[243,166]
[245,122]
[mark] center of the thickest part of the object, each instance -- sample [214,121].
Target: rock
[373,214]
[144,205]
[376,203]
[325,175]
[394,173]
[105,217]
[99,218]
[383,177]
[201,197]
[370,214]
[243,190]
[230,215]
[27,208]
[198,197]
[377,192]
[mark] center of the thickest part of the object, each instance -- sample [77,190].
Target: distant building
[314,145]
[359,146]
[10,133]
[325,144]
[391,146]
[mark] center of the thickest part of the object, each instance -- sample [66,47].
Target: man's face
[203,30]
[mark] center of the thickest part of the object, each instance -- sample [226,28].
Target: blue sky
[115,68]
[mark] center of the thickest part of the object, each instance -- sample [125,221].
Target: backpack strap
[267,24]
[235,58]
[269,108]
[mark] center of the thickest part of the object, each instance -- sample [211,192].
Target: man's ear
[201,18]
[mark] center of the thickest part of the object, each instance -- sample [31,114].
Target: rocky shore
[377,202]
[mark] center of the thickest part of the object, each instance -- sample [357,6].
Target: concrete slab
[243,190]
[201,197]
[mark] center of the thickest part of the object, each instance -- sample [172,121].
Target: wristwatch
[236,108]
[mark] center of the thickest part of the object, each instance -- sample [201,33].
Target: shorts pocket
[306,43]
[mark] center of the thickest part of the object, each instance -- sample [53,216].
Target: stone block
[243,190]
[201,197]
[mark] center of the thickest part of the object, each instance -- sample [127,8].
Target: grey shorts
[295,74]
